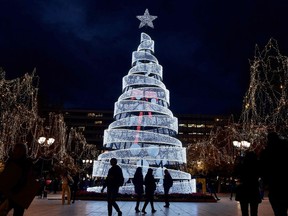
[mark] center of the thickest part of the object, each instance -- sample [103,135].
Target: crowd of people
[144,187]
[266,169]
[20,184]
[254,172]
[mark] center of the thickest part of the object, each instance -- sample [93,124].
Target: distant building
[92,123]
[192,128]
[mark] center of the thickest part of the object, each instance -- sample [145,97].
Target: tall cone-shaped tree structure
[143,133]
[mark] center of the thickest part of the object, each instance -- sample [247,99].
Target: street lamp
[87,161]
[43,141]
[241,145]
[87,165]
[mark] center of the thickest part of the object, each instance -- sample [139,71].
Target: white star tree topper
[146,19]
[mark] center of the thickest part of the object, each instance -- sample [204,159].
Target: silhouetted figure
[55,185]
[261,188]
[247,192]
[274,162]
[113,181]
[74,186]
[150,187]
[18,183]
[138,182]
[167,184]
[42,187]
[212,185]
[232,186]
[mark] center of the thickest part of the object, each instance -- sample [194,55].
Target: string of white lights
[264,109]
[19,110]
[20,122]
[265,103]
[147,121]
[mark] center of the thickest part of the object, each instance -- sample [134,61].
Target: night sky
[81,49]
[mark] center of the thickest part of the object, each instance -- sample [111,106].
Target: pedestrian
[247,191]
[55,184]
[261,188]
[74,186]
[42,187]
[18,181]
[138,182]
[275,155]
[232,186]
[113,182]
[150,187]
[212,185]
[66,181]
[167,184]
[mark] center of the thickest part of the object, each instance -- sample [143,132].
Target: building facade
[192,128]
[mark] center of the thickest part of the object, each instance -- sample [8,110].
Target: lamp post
[87,168]
[45,143]
[87,161]
[241,145]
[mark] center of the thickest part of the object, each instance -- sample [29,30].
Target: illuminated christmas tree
[144,131]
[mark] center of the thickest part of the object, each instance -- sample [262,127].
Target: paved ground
[52,206]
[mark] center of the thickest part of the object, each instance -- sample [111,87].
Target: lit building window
[91,115]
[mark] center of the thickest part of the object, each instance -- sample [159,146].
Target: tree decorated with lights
[18,111]
[264,109]
[20,122]
[143,133]
[265,103]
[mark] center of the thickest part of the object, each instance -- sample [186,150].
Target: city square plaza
[52,206]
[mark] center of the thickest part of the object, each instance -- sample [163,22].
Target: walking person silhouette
[167,184]
[113,182]
[75,186]
[247,192]
[273,156]
[150,187]
[211,185]
[138,182]
[232,186]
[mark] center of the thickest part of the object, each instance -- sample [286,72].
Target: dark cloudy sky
[81,49]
